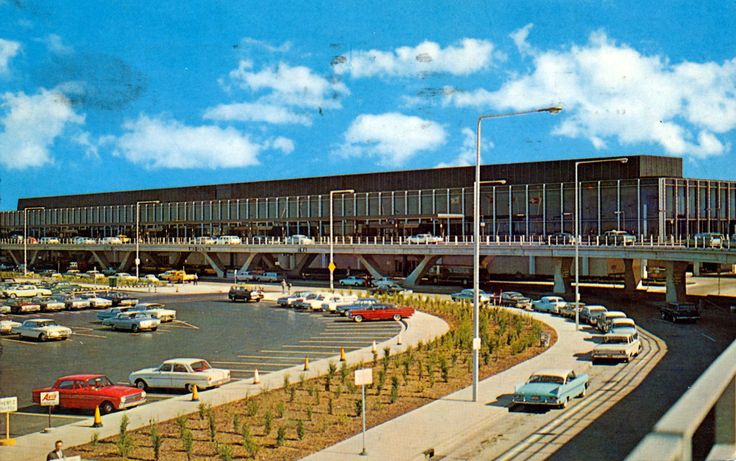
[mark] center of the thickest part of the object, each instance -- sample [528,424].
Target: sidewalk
[420,327]
[455,422]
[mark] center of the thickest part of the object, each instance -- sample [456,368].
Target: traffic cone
[306,363]
[398,340]
[195,394]
[374,348]
[256,378]
[342,354]
[98,418]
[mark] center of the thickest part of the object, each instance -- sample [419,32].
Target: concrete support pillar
[17,260]
[675,281]
[370,265]
[532,265]
[563,284]
[419,271]
[181,260]
[584,265]
[213,259]
[696,268]
[301,262]
[248,261]
[32,259]
[632,276]
[101,258]
[126,261]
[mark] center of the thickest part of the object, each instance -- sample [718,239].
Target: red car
[88,391]
[381,312]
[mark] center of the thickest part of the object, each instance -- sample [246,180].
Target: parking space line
[189,325]
[292,346]
[265,364]
[21,342]
[266,357]
[87,335]
[334,341]
[265,372]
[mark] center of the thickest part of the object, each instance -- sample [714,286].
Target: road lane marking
[708,337]
[21,342]
[265,357]
[312,347]
[264,364]
[295,352]
[264,372]
[334,341]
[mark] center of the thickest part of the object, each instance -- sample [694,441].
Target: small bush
[187,442]
[358,407]
[330,407]
[300,430]
[236,423]
[280,436]
[252,407]
[181,424]
[225,452]
[280,408]
[394,389]
[381,381]
[309,413]
[125,443]
[292,393]
[267,423]
[343,372]
[156,440]
[95,439]
[211,424]
[203,409]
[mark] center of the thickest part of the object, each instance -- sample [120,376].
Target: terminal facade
[647,196]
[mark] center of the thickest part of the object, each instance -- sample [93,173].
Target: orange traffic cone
[342,354]
[256,378]
[195,393]
[98,418]
[306,363]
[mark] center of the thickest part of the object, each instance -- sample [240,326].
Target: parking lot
[236,336]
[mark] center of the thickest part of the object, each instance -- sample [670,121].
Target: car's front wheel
[106,407]
[43,338]
[134,328]
[358,318]
[140,384]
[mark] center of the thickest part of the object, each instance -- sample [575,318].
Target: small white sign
[49,399]
[8,404]
[476,344]
[364,376]
[137,261]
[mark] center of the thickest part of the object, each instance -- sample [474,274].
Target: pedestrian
[196,279]
[283,286]
[289,287]
[57,452]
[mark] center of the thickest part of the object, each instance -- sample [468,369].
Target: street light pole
[577,230]
[332,244]
[476,234]
[137,232]
[25,236]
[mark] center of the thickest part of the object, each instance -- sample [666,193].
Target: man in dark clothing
[57,452]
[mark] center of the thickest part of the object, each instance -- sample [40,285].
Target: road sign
[8,404]
[476,344]
[332,267]
[49,399]
[363,376]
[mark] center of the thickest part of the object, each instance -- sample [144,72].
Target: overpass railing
[671,439]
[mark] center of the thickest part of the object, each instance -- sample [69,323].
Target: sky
[106,96]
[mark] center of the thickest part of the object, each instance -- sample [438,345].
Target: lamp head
[554,110]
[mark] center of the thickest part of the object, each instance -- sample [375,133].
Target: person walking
[57,452]
[283,286]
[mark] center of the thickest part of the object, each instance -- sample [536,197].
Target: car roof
[188,361]
[82,376]
[559,372]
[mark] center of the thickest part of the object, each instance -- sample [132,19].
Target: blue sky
[103,96]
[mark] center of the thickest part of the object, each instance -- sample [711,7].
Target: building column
[17,260]
[532,265]
[370,264]
[126,261]
[301,262]
[248,261]
[424,265]
[563,284]
[101,258]
[214,261]
[696,268]
[675,281]
[632,276]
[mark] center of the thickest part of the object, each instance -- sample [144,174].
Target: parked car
[603,321]
[111,241]
[312,299]
[126,277]
[467,295]
[79,240]
[42,329]
[229,240]
[299,239]
[6,326]
[49,304]
[271,277]
[620,323]
[96,301]
[619,344]
[205,240]
[380,312]
[22,305]
[245,276]
[675,312]
[119,298]
[149,278]
[360,303]
[156,310]
[390,289]
[90,391]
[617,237]
[706,240]
[72,302]
[551,304]
[551,388]
[353,281]
[589,314]
[383,280]
[244,293]
[333,303]
[515,299]
[180,374]
[288,300]
[25,291]
[49,241]
[112,312]
[133,321]
[424,238]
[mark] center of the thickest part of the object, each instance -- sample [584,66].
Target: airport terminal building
[647,196]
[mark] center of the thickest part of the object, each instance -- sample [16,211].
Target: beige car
[620,344]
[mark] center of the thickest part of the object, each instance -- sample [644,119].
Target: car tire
[154,328]
[565,403]
[140,384]
[358,318]
[134,328]
[12,295]
[189,388]
[43,338]
[106,407]
[397,317]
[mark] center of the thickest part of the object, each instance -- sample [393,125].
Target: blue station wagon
[551,388]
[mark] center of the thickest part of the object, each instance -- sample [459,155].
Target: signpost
[7,406]
[363,377]
[49,399]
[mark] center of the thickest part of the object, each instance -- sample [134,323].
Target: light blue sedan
[133,321]
[467,295]
[551,388]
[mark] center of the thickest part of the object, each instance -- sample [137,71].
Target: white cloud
[84,139]
[30,126]
[255,43]
[464,58]
[392,138]
[520,36]
[56,45]
[163,143]
[256,112]
[8,49]
[281,143]
[611,91]
[466,154]
[287,85]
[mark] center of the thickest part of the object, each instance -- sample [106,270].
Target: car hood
[144,371]
[538,389]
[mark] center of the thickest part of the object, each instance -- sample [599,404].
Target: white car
[299,239]
[25,291]
[111,241]
[622,344]
[49,241]
[288,300]
[245,276]
[617,324]
[149,278]
[333,301]
[424,238]
[205,240]
[42,329]
[84,241]
[180,374]
[96,302]
[6,326]
[229,240]
[551,304]
[126,276]
[156,310]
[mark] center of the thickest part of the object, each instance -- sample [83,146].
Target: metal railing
[671,439]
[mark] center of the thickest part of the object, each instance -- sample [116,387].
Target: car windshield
[202,365]
[615,340]
[46,323]
[547,379]
[99,381]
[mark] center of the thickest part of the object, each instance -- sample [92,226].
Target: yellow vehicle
[180,277]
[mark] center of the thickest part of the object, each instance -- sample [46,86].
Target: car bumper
[134,403]
[609,356]
[542,401]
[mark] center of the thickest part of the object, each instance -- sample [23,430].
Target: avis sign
[49,399]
